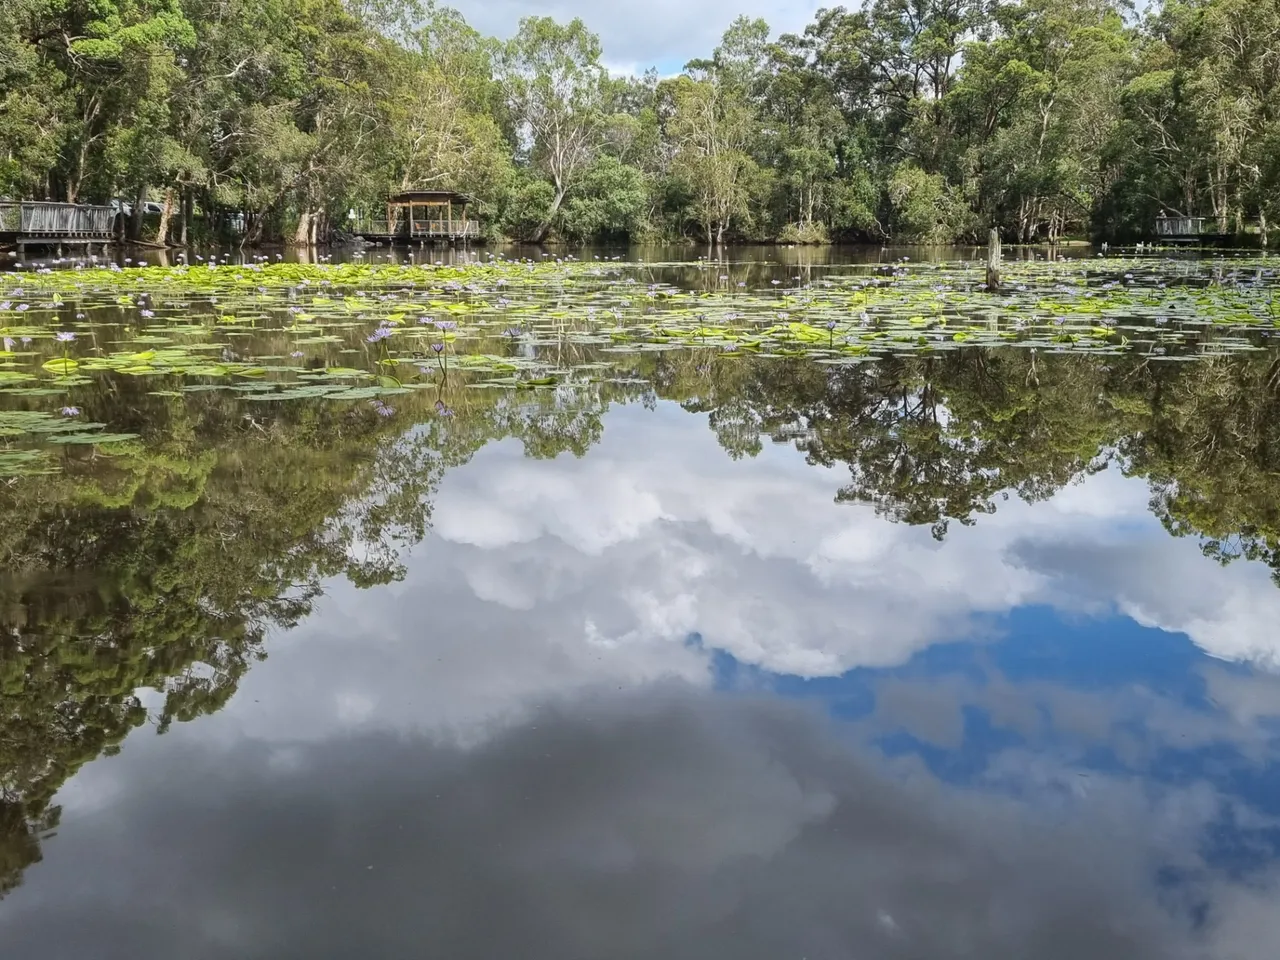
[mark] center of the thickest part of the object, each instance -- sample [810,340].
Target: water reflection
[780,257]
[663,825]
[752,658]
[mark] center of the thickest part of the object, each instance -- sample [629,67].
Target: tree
[553,81]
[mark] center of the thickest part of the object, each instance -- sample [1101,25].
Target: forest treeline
[904,120]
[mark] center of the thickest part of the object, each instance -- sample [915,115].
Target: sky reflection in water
[658,702]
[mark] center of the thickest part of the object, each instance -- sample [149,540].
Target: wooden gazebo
[423,215]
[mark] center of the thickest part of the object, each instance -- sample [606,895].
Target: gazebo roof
[430,196]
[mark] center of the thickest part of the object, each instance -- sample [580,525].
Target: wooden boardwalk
[1203,230]
[39,223]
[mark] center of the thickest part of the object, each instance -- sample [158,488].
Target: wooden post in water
[993,261]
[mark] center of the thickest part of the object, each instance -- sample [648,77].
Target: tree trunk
[1262,228]
[302,236]
[185,203]
[544,228]
[135,217]
[162,235]
[993,261]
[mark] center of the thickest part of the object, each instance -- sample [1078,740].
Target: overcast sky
[658,33]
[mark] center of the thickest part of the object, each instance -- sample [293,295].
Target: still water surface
[927,657]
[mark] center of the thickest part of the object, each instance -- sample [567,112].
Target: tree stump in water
[993,261]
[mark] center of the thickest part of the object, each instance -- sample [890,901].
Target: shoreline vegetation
[897,122]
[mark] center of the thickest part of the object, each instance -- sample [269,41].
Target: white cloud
[662,33]
[758,559]
[546,579]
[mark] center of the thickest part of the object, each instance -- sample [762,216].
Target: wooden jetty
[38,223]
[421,216]
[1178,229]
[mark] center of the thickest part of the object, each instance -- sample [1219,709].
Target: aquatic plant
[511,324]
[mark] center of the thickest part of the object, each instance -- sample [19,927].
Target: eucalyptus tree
[711,132]
[1037,105]
[554,85]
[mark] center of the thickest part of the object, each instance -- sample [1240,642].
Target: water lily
[64,336]
[71,411]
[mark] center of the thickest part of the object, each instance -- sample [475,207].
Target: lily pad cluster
[277,332]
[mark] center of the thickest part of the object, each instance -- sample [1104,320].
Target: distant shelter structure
[421,216]
[1174,228]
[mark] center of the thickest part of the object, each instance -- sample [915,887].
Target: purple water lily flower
[8,344]
[71,411]
[382,333]
[437,347]
[22,307]
[64,336]
[296,354]
[446,324]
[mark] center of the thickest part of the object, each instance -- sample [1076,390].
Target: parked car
[126,208]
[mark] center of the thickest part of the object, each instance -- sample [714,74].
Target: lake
[801,604]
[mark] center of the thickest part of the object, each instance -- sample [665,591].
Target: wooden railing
[1183,226]
[425,229]
[445,228]
[69,220]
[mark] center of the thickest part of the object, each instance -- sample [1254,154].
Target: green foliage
[1042,117]
[924,208]
[610,202]
[526,200]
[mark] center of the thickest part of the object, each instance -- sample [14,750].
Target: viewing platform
[40,223]
[1205,230]
[420,216]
